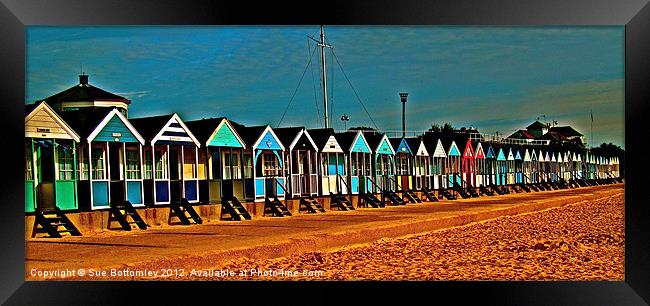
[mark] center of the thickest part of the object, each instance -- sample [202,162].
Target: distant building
[86,96]
[537,129]
[541,131]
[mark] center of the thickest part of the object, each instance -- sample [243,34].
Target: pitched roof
[85,121]
[522,134]
[373,139]
[250,134]
[84,92]
[565,131]
[320,136]
[203,128]
[345,139]
[536,125]
[287,134]
[149,127]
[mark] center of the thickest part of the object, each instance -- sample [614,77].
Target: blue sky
[494,78]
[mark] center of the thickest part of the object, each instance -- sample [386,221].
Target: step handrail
[340,178]
[277,183]
[375,184]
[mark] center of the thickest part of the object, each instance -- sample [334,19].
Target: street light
[345,118]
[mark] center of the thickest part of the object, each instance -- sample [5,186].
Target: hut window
[29,175]
[132,163]
[147,163]
[248,166]
[202,164]
[402,165]
[161,163]
[231,161]
[270,163]
[82,154]
[367,170]
[98,161]
[189,162]
[65,162]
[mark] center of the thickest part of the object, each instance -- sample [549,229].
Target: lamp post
[345,118]
[402,96]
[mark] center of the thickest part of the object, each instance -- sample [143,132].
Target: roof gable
[440,150]
[517,155]
[501,155]
[510,155]
[225,136]
[268,141]
[469,151]
[479,151]
[385,147]
[175,132]
[404,147]
[490,152]
[360,145]
[39,124]
[527,156]
[115,127]
[422,150]
[453,149]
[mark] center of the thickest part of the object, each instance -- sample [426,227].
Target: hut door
[45,171]
[174,173]
[116,166]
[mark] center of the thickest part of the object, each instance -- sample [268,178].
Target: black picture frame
[634,15]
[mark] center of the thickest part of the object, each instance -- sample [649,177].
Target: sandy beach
[583,241]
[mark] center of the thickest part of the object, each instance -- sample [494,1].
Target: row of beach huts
[84,153]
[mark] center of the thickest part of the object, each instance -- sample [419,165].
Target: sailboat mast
[322,56]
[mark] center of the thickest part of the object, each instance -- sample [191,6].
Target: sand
[583,241]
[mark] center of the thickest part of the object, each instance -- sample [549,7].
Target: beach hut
[404,158]
[332,160]
[360,156]
[519,167]
[221,160]
[171,160]
[510,166]
[535,167]
[553,168]
[438,163]
[468,167]
[527,167]
[110,158]
[50,160]
[267,162]
[383,161]
[453,164]
[479,161]
[491,166]
[421,162]
[502,168]
[302,154]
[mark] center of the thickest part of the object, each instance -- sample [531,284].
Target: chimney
[83,79]
[403,96]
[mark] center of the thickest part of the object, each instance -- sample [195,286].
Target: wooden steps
[184,212]
[410,196]
[447,195]
[235,210]
[483,190]
[429,195]
[310,204]
[393,198]
[369,198]
[121,212]
[53,222]
[339,201]
[274,207]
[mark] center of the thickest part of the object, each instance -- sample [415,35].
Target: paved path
[201,246]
